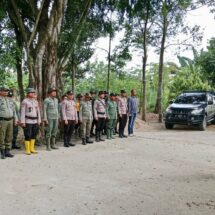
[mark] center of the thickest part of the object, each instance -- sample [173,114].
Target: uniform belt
[100,112]
[31,117]
[5,119]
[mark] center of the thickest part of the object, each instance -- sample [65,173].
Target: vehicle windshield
[191,99]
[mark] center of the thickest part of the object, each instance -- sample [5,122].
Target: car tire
[169,125]
[203,125]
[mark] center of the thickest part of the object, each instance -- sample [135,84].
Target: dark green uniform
[112,117]
[7,114]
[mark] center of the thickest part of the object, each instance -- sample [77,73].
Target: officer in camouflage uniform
[86,117]
[51,116]
[111,110]
[100,115]
[7,115]
[30,120]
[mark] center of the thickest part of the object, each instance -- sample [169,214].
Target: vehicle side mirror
[210,102]
[170,102]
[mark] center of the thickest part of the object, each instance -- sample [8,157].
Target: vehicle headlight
[197,111]
[168,110]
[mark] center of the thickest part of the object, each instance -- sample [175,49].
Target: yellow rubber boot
[27,148]
[32,143]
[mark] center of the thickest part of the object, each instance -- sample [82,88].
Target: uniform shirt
[85,110]
[69,111]
[30,108]
[132,105]
[7,109]
[111,109]
[50,108]
[99,109]
[122,105]
[15,107]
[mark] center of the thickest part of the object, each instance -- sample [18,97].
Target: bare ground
[157,172]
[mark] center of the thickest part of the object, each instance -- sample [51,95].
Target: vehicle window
[191,99]
[210,98]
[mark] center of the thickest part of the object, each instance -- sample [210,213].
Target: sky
[201,16]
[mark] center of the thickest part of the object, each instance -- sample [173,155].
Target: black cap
[87,95]
[113,94]
[101,92]
[69,92]
[52,89]
[4,88]
[122,91]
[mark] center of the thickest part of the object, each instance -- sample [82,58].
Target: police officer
[79,98]
[100,115]
[51,116]
[123,113]
[70,118]
[30,120]
[111,116]
[7,115]
[15,125]
[93,99]
[86,117]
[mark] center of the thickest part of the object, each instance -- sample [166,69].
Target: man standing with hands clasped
[100,115]
[70,118]
[30,120]
[123,113]
[51,117]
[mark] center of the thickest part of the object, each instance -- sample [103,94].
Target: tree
[170,22]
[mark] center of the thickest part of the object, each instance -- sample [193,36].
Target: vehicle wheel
[203,125]
[169,125]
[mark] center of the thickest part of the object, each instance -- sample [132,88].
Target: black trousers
[92,126]
[68,130]
[100,123]
[122,123]
[30,131]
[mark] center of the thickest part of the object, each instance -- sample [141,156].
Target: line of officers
[89,111]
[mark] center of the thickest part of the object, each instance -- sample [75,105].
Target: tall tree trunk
[144,59]
[158,107]
[20,77]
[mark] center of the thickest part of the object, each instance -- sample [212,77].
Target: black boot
[8,154]
[69,142]
[88,140]
[97,136]
[14,146]
[84,141]
[124,136]
[2,154]
[100,137]
[65,142]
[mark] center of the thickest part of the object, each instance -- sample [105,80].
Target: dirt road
[157,172]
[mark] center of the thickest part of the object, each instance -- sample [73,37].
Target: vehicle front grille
[180,111]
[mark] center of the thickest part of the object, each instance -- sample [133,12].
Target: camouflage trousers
[85,128]
[6,134]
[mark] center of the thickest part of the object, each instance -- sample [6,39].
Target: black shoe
[83,141]
[120,136]
[8,154]
[14,146]
[71,144]
[88,140]
[66,145]
[2,154]
[124,136]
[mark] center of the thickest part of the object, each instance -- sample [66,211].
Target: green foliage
[206,61]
